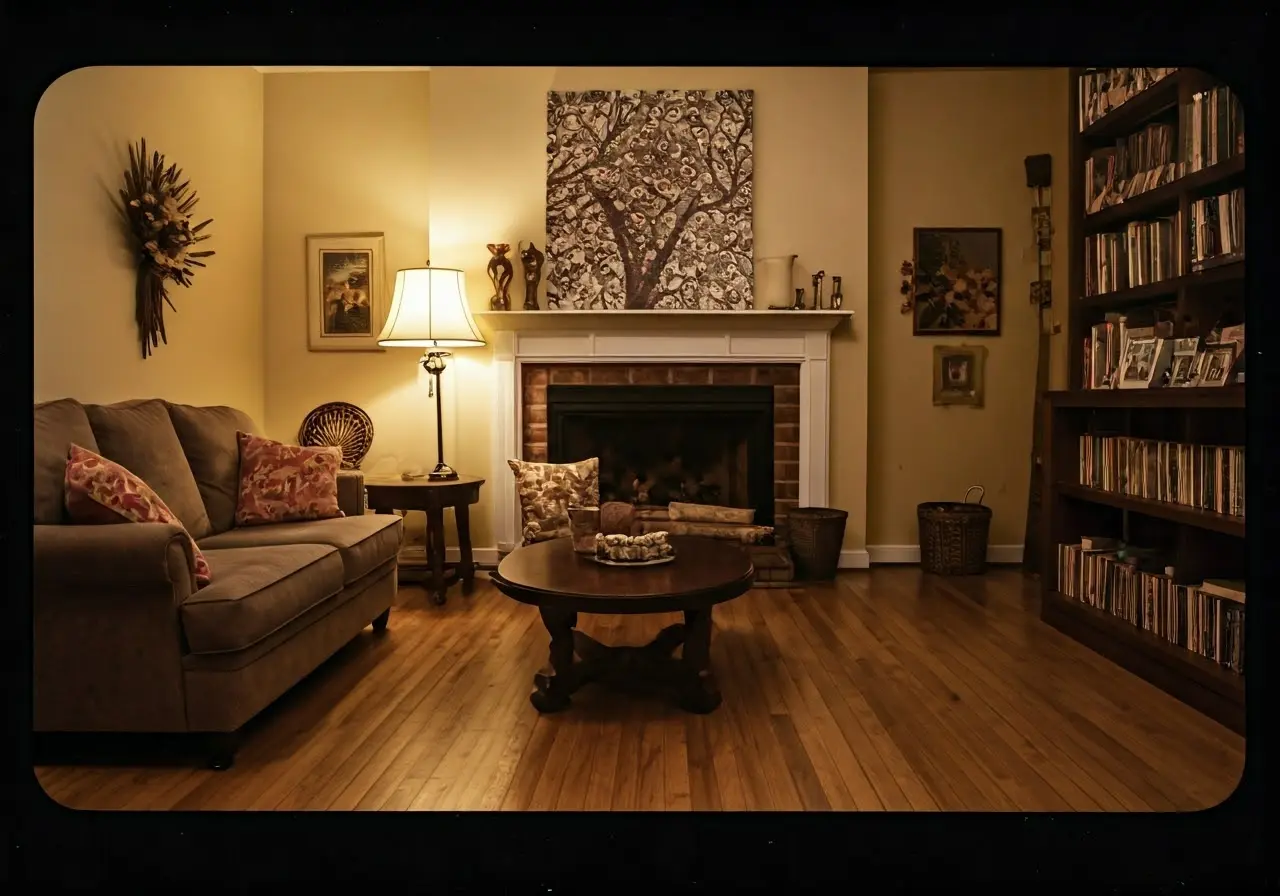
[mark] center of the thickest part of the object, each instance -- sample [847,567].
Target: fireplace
[701,444]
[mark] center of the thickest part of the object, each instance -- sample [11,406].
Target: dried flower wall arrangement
[157,208]
[908,290]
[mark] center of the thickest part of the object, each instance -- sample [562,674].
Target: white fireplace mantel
[645,337]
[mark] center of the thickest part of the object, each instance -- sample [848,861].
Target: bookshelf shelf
[1150,292]
[1164,200]
[1185,116]
[1165,510]
[1196,681]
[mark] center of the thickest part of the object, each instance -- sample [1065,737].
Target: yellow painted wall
[208,121]
[947,150]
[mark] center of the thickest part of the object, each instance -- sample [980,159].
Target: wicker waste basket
[953,535]
[816,534]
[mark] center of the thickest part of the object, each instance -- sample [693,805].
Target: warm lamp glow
[429,310]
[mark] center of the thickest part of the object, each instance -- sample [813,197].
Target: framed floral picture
[346,292]
[957,281]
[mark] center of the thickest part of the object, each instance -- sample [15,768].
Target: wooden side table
[389,494]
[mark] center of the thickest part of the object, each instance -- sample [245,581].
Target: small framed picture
[1144,363]
[1184,366]
[958,375]
[1215,367]
[346,292]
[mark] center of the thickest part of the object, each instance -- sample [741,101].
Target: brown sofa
[124,642]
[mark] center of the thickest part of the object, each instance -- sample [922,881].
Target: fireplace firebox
[663,443]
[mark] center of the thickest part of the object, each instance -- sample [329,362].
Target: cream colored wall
[487,184]
[209,122]
[947,150]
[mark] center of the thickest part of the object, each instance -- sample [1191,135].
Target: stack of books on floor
[1206,618]
[1206,477]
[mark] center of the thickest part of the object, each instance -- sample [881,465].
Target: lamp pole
[434,363]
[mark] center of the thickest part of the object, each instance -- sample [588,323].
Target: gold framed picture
[1215,368]
[959,375]
[346,292]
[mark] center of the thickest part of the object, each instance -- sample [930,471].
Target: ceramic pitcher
[773,281]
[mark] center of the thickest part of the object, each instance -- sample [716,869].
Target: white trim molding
[910,553]
[675,337]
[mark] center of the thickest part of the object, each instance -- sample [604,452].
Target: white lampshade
[429,310]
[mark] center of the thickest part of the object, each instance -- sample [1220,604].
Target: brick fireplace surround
[789,350]
[785,379]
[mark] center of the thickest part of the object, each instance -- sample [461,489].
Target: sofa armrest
[351,492]
[107,650]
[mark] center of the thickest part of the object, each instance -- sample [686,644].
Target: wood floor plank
[889,689]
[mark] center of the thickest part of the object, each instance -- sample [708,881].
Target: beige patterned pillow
[548,490]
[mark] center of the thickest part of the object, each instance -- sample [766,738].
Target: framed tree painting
[346,292]
[957,281]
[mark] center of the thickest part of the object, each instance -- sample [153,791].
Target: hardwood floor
[887,690]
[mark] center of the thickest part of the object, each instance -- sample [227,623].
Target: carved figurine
[531,263]
[817,289]
[837,297]
[500,275]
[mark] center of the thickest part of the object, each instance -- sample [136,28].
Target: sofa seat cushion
[256,591]
[139,436]
[58,424]
[363,542]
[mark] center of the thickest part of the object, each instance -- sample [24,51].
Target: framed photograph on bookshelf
[1185,364]
[958,375]
[1215,368]
[957,281]
[1145,361]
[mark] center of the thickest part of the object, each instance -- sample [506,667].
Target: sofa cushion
[255,591]
[99,492]
[139,436]
[58,424]
[208,437]
[364,542]
[282,483]
[547,491]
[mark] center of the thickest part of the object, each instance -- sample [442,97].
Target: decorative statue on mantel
[837,296]
[531,261]
[500,275]
[817,290]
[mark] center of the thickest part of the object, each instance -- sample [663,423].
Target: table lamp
[429,310]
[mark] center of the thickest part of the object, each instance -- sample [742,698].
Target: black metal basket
[816,535]
[953,535]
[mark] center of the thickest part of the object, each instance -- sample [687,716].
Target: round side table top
[386,481]
[706,571]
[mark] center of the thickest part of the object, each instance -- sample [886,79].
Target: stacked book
[1217,229]
[1146,252]
[1102,90]
[1206,477]
[1136,164]
[1205,618]
[1213,129]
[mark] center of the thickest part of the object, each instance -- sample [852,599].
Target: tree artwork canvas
[649,199]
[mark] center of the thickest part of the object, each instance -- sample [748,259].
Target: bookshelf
[1155,257]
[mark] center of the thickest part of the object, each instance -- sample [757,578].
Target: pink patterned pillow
[98,491]
[282,483]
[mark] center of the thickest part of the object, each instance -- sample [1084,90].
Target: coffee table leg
[554,683]
[698,692]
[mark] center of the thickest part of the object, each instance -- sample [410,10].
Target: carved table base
[652,668]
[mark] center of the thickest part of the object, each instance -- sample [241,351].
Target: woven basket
[953,535]
[816,534]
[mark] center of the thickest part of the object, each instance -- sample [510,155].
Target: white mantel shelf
[655,321]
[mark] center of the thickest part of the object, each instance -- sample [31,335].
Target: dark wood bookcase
[1197,542]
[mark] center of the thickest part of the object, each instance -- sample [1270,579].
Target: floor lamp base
[442,473]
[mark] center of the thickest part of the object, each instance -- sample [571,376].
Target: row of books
[1213,129]
[1217,228]
[1205,618]
[1136,164]
[1146,252]
[1102,90]
[1206,477]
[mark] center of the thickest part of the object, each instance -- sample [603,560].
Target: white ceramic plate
[630,563]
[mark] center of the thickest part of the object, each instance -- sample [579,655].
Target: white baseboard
[910,553]
[858,559]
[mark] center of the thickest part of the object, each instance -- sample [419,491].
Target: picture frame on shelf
[957,281]
[1215,366]
[1146,358]
[1185,363]
[959,375]
[346,291]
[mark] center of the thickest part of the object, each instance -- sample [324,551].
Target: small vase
[584,523]
[773,281]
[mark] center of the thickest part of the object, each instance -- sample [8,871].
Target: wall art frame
[346,291]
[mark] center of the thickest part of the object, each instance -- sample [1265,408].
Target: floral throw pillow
[282,483]
[548,490]
[98,491]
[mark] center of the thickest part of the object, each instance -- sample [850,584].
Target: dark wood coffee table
[562,584]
